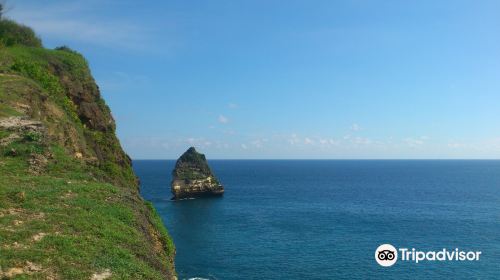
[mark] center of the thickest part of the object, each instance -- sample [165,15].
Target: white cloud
[325,142]
[455,145]
[355,127]
[244,146]
[328,142]
[333,142]
[76,21]
[362,141]
[232,105]
[259,143]
[293,139]
[222,119]
[416,142]
[196,142]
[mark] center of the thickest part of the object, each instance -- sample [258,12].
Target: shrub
[33,136]
[67,49]
[64,48]
[40,74]
[12,33]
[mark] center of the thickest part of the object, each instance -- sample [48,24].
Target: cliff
[192,177]
[70,206]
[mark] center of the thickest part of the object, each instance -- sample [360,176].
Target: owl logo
[386,255]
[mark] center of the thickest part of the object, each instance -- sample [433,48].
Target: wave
[189,198]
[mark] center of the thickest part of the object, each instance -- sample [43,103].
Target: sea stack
[192,177]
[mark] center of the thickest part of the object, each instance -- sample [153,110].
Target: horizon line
[340,159]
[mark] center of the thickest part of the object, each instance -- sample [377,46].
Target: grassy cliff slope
[69,201]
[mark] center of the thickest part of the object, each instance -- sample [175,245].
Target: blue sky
[289,79]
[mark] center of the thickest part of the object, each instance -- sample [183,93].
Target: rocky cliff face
[192,177]
[70,206]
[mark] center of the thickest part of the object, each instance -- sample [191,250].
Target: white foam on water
[188,198]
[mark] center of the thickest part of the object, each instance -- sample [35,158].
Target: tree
[1,10]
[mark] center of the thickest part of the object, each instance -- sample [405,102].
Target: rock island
[192,177]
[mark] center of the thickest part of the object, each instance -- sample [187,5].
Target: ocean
[324,219]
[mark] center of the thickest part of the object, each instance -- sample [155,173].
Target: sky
[265,79]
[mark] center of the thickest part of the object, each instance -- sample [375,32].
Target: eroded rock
[192,177]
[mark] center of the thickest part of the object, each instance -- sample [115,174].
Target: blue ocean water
[324,219]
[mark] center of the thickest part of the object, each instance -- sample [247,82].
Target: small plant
[66,49]
[11,152]
[33,136]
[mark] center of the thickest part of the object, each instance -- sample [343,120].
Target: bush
[67,49]
[38,73]
[33,136]
[12,33]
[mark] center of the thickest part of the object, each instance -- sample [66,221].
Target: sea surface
[324,219]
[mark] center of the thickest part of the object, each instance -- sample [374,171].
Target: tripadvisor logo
[387,255]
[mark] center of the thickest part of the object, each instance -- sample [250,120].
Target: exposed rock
[39,236]
[9,139]
[101,276]
[21,124]
[11,273]
[192,177]
[32,267]
[37,163]
[85,94]
[20,107]
[18,126]
[29,268]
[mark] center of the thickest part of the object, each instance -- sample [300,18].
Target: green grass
[89,226]
[4,134]
[169,246]
[6,109]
